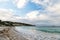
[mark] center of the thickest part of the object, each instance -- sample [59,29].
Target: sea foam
[31,34]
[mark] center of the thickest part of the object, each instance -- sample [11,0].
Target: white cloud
[7,10]
[20,3]
[43,17]
[50,5]
[8,15]
[36,15]
[32,15]
[5,15]
[55,8]
[52,10]
[41,2]
[4,0]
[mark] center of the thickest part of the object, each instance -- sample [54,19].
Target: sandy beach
[12,34]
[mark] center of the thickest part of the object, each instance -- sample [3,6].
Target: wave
[32,34]
[48,29]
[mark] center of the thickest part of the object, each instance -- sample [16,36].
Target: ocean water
[39,33]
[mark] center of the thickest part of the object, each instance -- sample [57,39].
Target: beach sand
[12,34]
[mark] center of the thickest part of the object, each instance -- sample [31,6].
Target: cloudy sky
[42,12]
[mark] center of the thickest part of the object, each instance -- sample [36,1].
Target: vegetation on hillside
[9,23]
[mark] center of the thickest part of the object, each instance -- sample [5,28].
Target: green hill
[9,23]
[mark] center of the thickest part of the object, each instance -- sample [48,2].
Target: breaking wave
[32,34]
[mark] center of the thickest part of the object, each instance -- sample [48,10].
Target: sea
[39,33]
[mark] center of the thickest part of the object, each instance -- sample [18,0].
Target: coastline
[39,35]
[31,35]
[10,34]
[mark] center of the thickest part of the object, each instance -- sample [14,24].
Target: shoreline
[10,34]
[31,35]
[39,35]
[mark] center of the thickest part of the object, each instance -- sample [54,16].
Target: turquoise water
[39,33]
[49,29]
[43,29]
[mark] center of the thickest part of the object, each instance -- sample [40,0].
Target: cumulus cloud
[8,15]
[43,17]
[36,15]
[52,10]
[32,15]
[41,2]
[20,3]
[50,5]
[55,8]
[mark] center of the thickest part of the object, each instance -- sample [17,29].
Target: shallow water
[39,33]
[43,29]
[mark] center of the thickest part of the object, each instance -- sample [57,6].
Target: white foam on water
[31,34]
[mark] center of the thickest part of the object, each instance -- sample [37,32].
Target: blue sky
[42,12]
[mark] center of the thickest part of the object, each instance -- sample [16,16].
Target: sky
[39,12]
